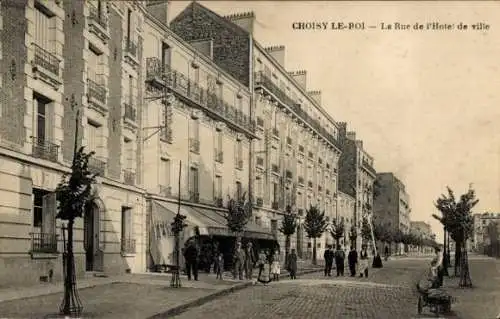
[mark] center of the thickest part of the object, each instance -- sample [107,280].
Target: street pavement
[387,293]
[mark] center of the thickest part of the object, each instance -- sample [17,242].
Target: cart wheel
[419,305]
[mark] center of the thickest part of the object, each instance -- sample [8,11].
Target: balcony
[219,156]
[218,201]
[275,169]
[97,166]
[46,67]
[160,75]
[239,164]
[264,81]
[129,177]
[275,205]
[96,95]
[131,52]
[45,243]
[128,246]
[166,190]
[44,149]
[369,168]
[259,202]
[194,145]
[260,162]
[98,23]
[301,180]
[194,196]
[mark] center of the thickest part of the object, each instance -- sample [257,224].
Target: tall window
[239,190]
[129,24]
[218,187]
[44,211]
[45,30]
[128,152]
[165,54]
[275,192]
[92,136]
[239,152]
[220,92]
[219,140]
[95,65]
[164,177]
[259,187]
[130,89]
[194,182]
[126,223]
[42,122]
[195,129]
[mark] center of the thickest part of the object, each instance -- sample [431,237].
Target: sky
[425,103]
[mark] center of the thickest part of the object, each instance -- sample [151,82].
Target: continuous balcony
[45,243]
[97,166]
[194,145]
[369,168]
[128,245]
[98,23]
[46,67]
[263,81]
[131,52]
[44,149]
[129,177]
[96,94]
[219,156]
[160,76]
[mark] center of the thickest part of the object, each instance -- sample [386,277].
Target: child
[220,266]
[275,267]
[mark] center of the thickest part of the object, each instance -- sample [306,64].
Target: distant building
[421,228]
[392,207]
[481,233]
[356,177]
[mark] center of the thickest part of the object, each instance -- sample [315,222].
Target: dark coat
[352,258]
[328,255]
[292,263]
[191,254]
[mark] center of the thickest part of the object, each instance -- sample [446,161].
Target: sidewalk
[127,296]
[483,300]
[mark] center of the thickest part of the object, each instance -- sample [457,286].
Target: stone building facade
[295,157]
[356,178]
[346,211]
[480,235]
[69,65]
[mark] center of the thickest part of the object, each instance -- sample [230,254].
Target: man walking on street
[352,260]
[238,262]
[339,261]
[191,255]
[328,256]
[250,261]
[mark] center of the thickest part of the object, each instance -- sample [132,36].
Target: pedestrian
[191,256]
[292,264]
[238,262]
[377,261]
[264,269]
[250,261]
[220,265]
[275,267]
[352,260]
[386,253]
[363,265]
[328,256]
[339,261]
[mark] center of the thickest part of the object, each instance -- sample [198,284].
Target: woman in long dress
[363,264]
[275,267]
[264,269]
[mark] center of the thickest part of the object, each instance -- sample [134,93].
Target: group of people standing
[352,260]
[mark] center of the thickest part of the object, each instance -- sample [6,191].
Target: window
[165,54]
[275,193]
[95,65]
[92,136]
[45,28]
[274,227]
[195,129]
[219,140]
[218,187]
[194,181]
[42,122]
[164,177]
[258,220]
[239,152]
[44,211]
[128,153]
[129,23]
[220,88]
[128,242]
[239,190]
[259,187]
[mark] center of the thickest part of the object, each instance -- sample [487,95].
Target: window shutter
[49,214]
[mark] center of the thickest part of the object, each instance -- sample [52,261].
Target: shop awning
[209,221]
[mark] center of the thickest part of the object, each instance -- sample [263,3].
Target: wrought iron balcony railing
[263,80]
[219,156]
[129,177]
[275,168]
[46,60]
[260,161]
[194,145]
[131,47]
[97,166]
[43,243]
[128,245]
[194,196]
[96,91]
[98,17]
[44,149]
[130,112]
[163,75]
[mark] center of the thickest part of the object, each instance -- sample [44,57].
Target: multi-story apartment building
[480,233]
[67,67]
[392,205]
[356,177]
[200,127]
[295,157]
[346,211]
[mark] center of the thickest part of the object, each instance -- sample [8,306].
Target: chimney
[244,20]
[300,77]
[351,135]
[159,10]
[205,47]
[278,53]
[316,95]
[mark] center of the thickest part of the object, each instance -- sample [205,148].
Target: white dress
[275,266]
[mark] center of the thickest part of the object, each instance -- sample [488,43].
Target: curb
[177,310]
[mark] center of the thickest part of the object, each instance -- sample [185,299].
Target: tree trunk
[337,242]
[465,280]
[69,270]
[458,255]
[446,261]
[287,249]
[314,260]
